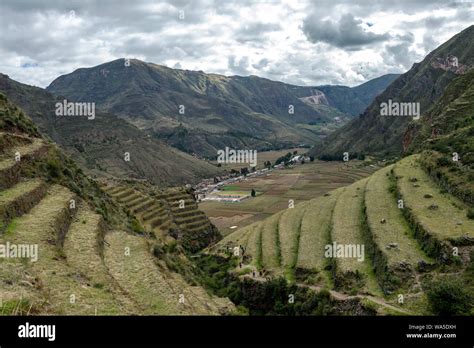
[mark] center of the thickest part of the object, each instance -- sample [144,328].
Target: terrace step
[289,233]
[9,141]
[315,234]
[396,254]
[19,199]
[138,275]
[270,251]
[347,232]
[58,287]
[441,218]
[10,168]
[83,247]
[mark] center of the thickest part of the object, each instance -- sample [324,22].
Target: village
[212,189]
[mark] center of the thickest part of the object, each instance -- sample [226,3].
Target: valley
[275,188]
[141,208]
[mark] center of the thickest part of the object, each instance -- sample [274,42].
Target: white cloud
[302,42]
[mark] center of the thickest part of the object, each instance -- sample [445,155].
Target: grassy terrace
[58,280]
[315,230]
[138,276]
[346,230]
[270,244]
[396,253]
[254,244]
[381,204]
[289,234]
[440,214]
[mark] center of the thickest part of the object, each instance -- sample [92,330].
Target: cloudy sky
[296,41]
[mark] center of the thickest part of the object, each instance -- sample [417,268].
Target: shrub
[448,296]
[470,214]
[443,161]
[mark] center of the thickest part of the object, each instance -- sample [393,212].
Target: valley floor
[275,190]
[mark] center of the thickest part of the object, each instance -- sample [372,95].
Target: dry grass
[56,281]
[270,251]
[289,233]
[346,224]
[19,190]
[382,204]
[138,275]
[448,220]
[314,231]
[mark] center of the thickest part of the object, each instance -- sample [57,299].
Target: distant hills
[424,83]
[201,113]
[100,145]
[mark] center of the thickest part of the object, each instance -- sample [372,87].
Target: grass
[11,227]
[289,228]
[269,243]
[381,204]
[315,229]
[448,220]
[138,276]
[347,230]
[18,190]
[24,150]
[57,280]
[346,224]
[81,248]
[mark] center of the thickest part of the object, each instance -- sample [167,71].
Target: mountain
[445,136]
[216,111]
[354,100]
[99,145]
[424,83]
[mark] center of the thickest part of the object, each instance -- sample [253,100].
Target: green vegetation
[390,136]
[448,296]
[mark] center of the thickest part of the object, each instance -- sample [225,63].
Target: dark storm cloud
[345,33]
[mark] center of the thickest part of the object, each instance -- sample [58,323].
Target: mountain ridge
[424,83]
[201,113]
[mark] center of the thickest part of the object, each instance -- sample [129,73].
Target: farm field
[274,190]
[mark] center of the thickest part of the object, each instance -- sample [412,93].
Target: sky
[302,42]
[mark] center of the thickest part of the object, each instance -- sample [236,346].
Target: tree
[253,193]
[449,297]
[311,158]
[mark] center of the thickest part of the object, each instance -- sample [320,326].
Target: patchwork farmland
[410,230]
[300,183]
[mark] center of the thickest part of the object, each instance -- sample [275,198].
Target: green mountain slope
[446,134]
[99,145]
[89,256]
[219,111]
[424,83]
